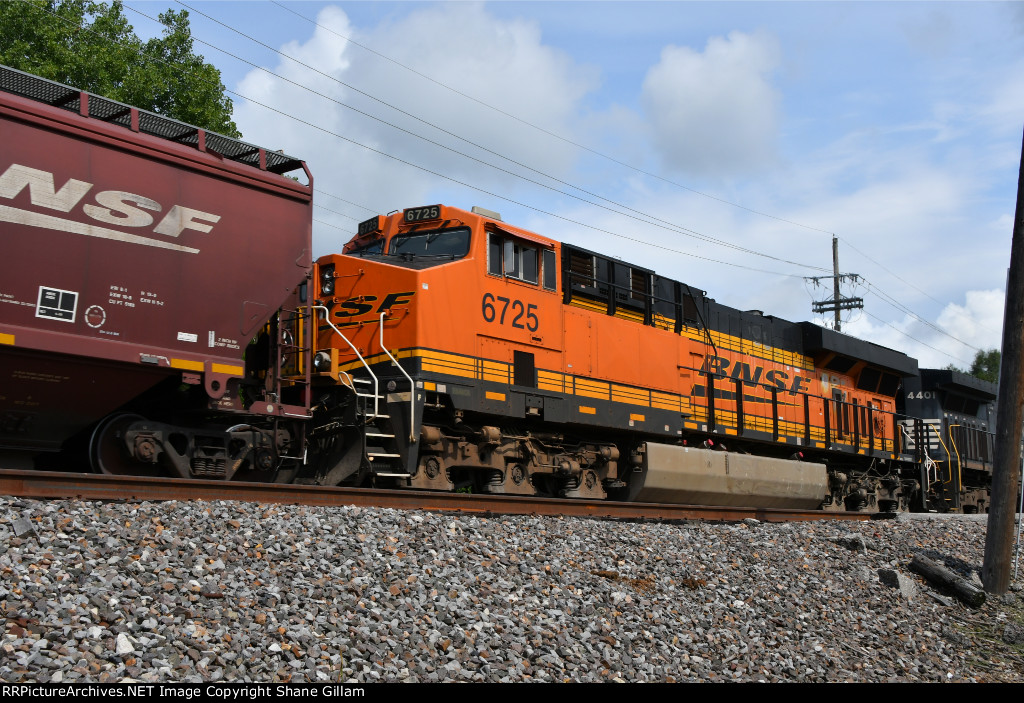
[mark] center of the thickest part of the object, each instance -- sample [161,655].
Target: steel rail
[57,485]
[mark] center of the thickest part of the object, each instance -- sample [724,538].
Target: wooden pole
[835,278]
[1009,415]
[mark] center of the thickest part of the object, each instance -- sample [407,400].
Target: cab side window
[494,254]
[549,269]
[523,262]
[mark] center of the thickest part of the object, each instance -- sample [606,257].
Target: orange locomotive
[453,350]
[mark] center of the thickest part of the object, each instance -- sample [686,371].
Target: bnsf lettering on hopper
[443,349]
[111,206]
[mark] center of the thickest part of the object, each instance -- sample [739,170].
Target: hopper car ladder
[292,346]
[292,333]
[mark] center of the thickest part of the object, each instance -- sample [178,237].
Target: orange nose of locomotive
[370,299]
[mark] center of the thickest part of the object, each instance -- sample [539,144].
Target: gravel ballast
[207,592]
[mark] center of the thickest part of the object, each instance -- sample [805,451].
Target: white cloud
[323,51]
[503,63]
[715,112]
[977,323]
[909,181]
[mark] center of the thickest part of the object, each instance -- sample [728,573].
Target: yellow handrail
[952,441]
[938,435]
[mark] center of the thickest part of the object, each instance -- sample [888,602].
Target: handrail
[412,386]
[952,442]
[376,382]
[929,463]
[881,442]
[938,436]
[349,383]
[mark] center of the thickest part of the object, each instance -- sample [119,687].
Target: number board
[370,225]
[420,214]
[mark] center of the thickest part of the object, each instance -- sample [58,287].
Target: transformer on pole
[837,303]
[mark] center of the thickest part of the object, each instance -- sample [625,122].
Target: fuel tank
[692,476]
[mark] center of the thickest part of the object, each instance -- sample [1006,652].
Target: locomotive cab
[420,307]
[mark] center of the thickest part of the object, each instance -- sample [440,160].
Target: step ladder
[380,443]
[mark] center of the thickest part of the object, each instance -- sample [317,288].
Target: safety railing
[376,382]
[412,386]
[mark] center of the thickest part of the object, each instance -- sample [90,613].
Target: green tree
[986,365]
[91,45]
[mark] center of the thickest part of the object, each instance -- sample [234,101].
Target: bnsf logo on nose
[113,207]
[362,304]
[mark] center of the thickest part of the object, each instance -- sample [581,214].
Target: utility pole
[995,573]
[838,303]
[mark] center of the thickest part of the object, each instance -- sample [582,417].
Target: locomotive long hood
[818,339]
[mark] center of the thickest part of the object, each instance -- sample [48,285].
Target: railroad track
[51,485]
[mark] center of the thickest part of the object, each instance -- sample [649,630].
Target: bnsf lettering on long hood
[114,207]
[719,366]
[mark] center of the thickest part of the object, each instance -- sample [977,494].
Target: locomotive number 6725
[492,304]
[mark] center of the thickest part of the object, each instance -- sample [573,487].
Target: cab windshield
[442,244]
[375,247]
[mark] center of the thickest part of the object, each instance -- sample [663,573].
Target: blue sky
[742,128]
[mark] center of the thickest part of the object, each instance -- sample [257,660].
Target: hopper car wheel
[106,453]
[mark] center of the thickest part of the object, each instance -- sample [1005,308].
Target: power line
[609,158]
[338,197]
[568,141]
[477,188]
[837,303]
[335,212]
[541,211]
[857,303]
[896,276]
[455,180]
[505,198]
[548,132]
[645,218]
[908,336]
[328,224]
[904,309]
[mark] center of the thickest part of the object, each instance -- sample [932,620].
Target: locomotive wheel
[106,452]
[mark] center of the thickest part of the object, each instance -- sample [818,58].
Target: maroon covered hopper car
[146,265]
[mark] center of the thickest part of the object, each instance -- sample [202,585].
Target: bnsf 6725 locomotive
[482,354]
[159,312]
